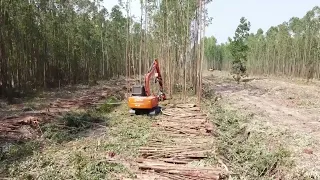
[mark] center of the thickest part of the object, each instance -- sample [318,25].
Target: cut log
[174,161]
[185,105]
[196,172]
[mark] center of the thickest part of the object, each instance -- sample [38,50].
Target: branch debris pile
[25,124]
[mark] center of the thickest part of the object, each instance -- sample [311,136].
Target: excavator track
[150,112]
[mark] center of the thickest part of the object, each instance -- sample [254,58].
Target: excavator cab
[138,90]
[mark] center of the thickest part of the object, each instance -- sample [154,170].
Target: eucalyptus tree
[239,48]
[48,44]
[173,26]
[291,48]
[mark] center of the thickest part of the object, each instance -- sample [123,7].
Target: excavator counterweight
[141,100]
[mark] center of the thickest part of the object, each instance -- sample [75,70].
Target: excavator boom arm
[154,69]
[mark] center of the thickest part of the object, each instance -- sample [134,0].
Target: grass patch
[100,155]
[19,150]
[69,126]
[248,154]
[90,168]
[72,124]
[129,135]
[110,104]
[15,153]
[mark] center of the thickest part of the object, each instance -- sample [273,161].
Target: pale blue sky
[227,13]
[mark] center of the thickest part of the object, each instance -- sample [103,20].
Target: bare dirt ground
[287,109]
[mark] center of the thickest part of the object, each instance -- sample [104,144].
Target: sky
[226,14]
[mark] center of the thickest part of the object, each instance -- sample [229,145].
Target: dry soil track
[289,109]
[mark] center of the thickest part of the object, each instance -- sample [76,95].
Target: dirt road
[288,109]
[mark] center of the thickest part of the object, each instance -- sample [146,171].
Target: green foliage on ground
[248,154]
[19,150]
[90,168]
[84,152]
[69,126]
[72,124]
[110,104]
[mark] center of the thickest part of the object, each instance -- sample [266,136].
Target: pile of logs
[185,119]
[175,153]
[189,132]
[179,172]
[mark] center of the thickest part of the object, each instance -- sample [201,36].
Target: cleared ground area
[264,128]
[286,110]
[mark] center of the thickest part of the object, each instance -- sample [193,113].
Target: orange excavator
[141,100]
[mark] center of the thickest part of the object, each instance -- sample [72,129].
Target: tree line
[291,48]
[50,43]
